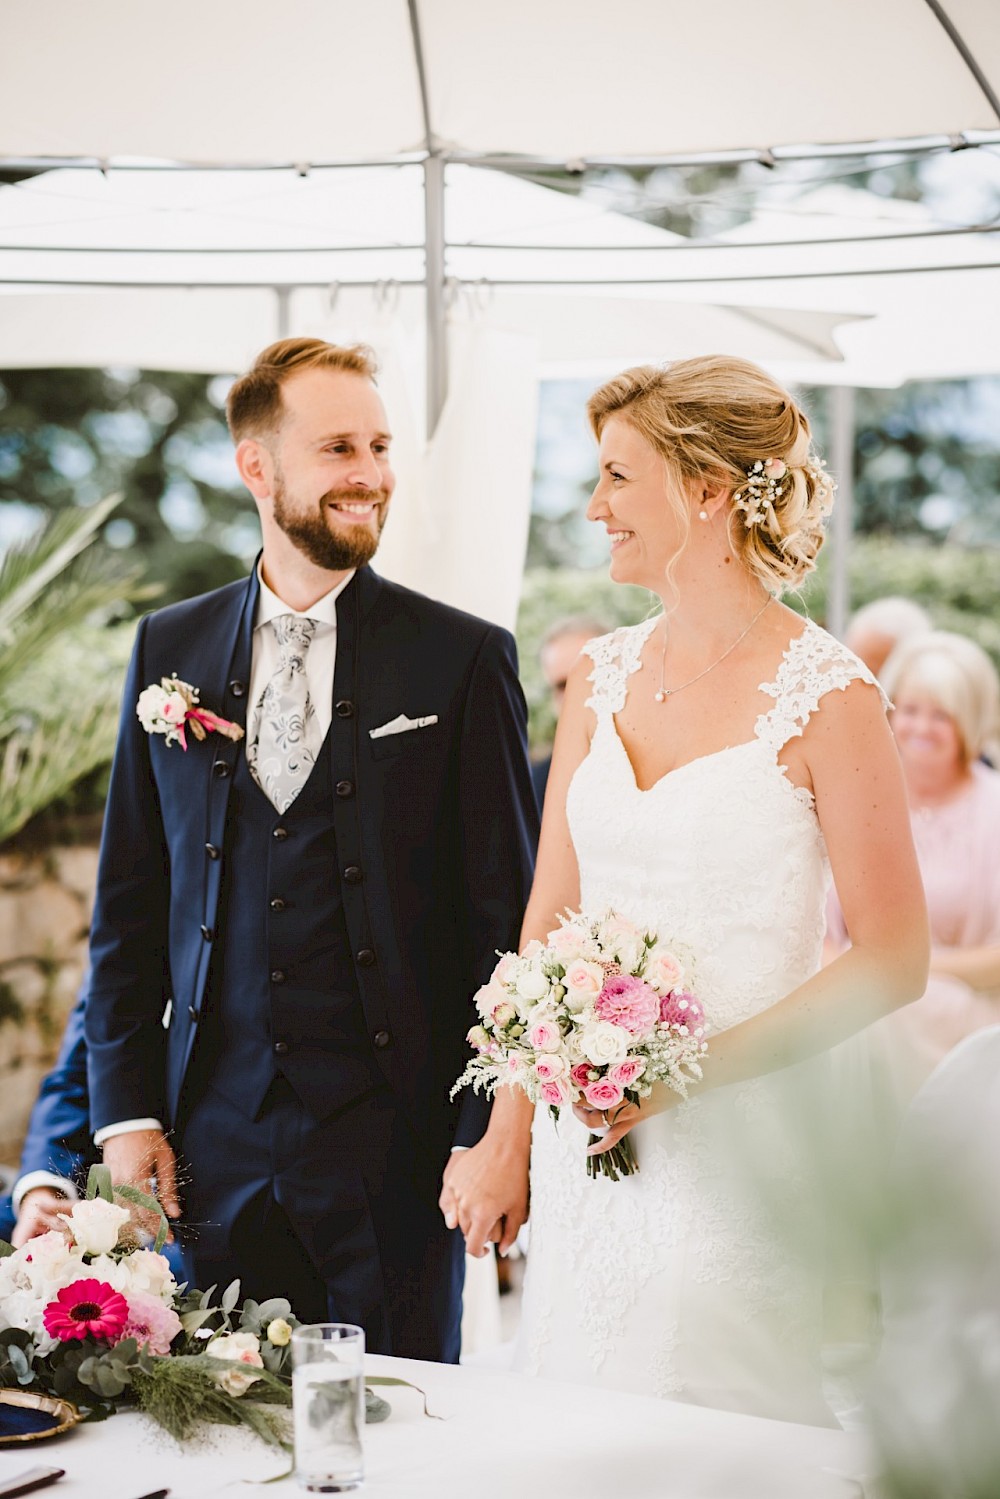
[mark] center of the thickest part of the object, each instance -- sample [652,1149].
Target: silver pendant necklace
[664,692]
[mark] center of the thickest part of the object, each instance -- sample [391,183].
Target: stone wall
[46,897]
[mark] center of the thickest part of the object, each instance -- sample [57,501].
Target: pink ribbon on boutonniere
[171,707]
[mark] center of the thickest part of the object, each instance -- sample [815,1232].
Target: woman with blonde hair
[946,715]
[709,767]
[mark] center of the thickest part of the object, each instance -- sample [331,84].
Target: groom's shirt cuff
[32,1179]
[125,1127]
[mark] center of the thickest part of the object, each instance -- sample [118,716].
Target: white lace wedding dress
[676,1281]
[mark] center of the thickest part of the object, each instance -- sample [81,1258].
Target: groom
[320,898]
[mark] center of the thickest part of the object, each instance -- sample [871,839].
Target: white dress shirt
[321,661]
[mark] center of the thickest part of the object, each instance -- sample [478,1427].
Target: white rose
[95,1225]
[532,985]
[150,707]
[603,1042]
[243,1349]
[147,1272]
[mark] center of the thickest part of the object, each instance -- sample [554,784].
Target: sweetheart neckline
[676,769]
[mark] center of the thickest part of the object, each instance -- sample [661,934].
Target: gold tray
[64,1415]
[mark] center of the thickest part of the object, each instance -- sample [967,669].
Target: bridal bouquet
[598,1014]
[89,1314]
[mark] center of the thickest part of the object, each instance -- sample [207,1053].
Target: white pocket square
[401,725]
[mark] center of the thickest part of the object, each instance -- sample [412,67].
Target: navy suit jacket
[444,815]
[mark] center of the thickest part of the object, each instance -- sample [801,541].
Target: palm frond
[38,767]
[30,566]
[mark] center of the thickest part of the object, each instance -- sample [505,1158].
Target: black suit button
[207,933]
[193,1013]
[382,1039]
[280,1048]
[281,834]
[344,788]
[278,976]
[278,904]
[366,957]
[344,709]
[238,689]
[352,874]
[212,851]
[220,769]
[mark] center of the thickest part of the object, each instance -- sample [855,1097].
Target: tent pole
[437,335]
[842,426]
[284,317]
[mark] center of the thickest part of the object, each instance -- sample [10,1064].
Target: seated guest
[947,708]
[875,631]
[58,1149]
[561,645]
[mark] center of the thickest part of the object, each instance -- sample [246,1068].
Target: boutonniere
[171,708]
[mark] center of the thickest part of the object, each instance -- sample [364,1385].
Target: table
[502,1435]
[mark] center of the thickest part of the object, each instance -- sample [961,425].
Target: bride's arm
[850,757]
[485,1189]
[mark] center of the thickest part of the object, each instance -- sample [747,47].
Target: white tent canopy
[333,80]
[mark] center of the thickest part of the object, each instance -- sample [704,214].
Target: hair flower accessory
[171,708]
[763,486]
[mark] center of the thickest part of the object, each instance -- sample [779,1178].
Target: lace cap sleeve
[814,664]
[615,656]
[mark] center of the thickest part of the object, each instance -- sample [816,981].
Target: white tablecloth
[502,1436]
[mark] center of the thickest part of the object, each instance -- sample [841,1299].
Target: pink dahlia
[87,1308]
[151,1323]
[630,1003]
[681,1009]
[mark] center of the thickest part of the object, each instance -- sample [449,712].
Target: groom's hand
[484,1192]
[141,1157]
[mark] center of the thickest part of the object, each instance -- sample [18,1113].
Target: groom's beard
[335,550]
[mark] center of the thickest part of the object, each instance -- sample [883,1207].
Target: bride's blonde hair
[711,419]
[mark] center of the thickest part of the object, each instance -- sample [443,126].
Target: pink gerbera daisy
[87,1308]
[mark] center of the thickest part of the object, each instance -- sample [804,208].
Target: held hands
[38,1213]
[484,1192]
[142,1158]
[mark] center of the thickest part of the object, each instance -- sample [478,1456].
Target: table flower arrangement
[90,1314]
[597,1014]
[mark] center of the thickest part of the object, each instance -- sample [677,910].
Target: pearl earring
[703,515]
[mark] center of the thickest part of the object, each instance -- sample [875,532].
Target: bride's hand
[613,1124]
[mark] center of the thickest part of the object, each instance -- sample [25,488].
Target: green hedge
[960,588]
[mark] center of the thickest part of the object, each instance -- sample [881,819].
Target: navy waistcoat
[282,993]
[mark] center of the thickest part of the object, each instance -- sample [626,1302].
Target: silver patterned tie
[283,751]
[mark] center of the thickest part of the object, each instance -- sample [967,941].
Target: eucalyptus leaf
[206,1296]
[230,1297]
[376,1409]
[5,1249]
[385,1379]
[191,1321]
[276,1306]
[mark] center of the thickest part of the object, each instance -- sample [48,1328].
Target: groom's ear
[255,467]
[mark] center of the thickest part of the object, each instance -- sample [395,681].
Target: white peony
[150,707]
[243,1348]
[488,997]
[141,1271]
[95,1225]
[601,1042]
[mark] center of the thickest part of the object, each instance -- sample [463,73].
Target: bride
[712,765]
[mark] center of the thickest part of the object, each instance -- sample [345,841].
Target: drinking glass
[328,1406]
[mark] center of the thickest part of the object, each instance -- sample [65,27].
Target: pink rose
[775,468]
[583,1073]
[625,1073]
[478,1037]
[547,1069]
[604,1094]
[584,978]
[555,1092]
[544,1035]
[501,972]
[504,1014]
[174,708]
[564,937]
[630,1003]
[663,971]
[681,1010]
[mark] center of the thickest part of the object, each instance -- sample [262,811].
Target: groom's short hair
[254,407]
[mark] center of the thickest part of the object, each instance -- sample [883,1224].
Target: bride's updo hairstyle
[724,421]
